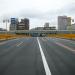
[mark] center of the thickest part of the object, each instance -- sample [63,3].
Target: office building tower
[23,25]
[63,22]
[13,24]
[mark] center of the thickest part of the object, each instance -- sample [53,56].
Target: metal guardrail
[40,31]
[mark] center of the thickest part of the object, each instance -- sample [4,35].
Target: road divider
[12,36]
[46,67]
[65,36]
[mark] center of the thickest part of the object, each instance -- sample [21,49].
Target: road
[37,56]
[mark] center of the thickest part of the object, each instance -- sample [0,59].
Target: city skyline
[40,12]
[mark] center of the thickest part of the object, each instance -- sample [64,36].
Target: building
[1,29]
[49,28]
[38,28]
[13,24]
[44,28]
[23,25]
[63,22]
[72,27]
[46,24]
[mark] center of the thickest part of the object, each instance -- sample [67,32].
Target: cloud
[36,14]
[33,11]
[39,12]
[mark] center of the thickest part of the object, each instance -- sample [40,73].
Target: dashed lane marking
[46,67]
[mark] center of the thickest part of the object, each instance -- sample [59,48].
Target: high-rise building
[13,24]
[63,22]
[23,25]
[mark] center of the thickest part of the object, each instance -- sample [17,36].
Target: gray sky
[38,11]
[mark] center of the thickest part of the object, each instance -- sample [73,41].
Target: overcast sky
[38,11]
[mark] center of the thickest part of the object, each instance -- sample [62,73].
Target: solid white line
[46,67]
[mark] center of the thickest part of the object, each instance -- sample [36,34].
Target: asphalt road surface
[37,56]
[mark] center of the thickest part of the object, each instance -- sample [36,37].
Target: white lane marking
[19,44]
[44,39]
[47,70]
[64,46]
[67,40]
[3,43]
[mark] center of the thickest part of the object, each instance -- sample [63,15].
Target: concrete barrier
[67,36]
[11,36]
